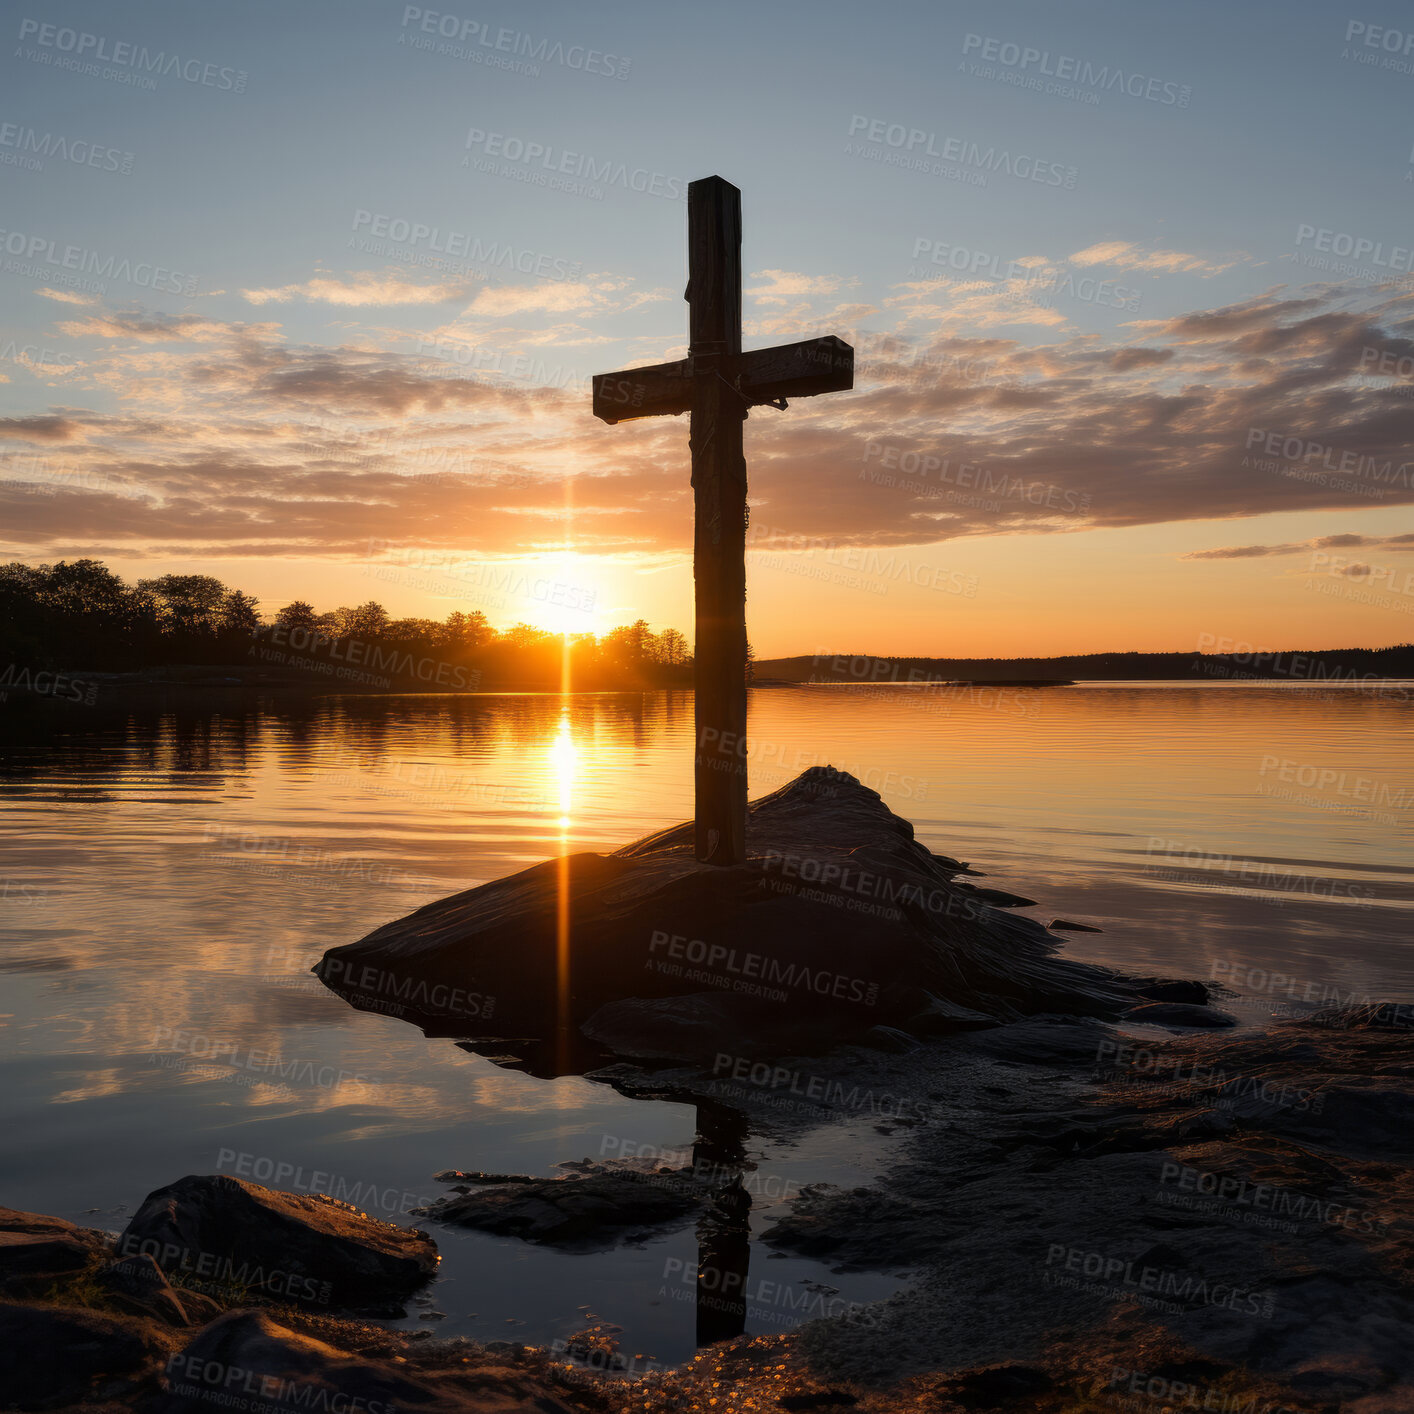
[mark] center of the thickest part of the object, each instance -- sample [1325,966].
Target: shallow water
[169,879]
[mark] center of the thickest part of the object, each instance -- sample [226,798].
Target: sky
[308,296]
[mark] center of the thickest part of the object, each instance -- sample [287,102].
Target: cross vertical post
[719,542]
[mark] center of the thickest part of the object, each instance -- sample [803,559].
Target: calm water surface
[168,879]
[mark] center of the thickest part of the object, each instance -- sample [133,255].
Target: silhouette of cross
[717,383]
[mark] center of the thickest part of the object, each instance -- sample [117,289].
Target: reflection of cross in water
[724,1233]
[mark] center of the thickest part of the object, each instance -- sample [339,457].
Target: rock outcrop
[588,1210]
[839,921]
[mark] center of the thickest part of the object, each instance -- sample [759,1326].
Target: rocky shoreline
[1087,1220]
[1096,1192]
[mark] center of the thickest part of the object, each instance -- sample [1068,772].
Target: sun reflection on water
[563,760]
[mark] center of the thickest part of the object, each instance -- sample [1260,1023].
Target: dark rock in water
[1179,1014]
[595,1210]
[1171,989]
[998,898]
[838,921]
[1064,925]
[56,1355]
[223,1236]
[280,1369]
[35,1249]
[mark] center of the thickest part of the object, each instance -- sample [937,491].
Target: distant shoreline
[216,687]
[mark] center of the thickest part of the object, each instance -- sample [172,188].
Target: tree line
[78,615]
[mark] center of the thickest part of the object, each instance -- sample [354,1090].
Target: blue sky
[267,417]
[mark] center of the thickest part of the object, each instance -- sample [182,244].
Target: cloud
[362,289]
[152,328]
[49,428]
[497,301]
[1127,256]
[1298,547]
[789,284]
[68,296]
[244,439]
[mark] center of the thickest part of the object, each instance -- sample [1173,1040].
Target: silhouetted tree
[297,614]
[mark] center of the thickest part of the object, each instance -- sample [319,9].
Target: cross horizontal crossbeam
[760,376]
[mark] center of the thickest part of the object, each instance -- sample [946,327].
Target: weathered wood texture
[717,384]
[719,541]
[801,370]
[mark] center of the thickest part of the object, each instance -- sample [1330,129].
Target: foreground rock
[226,1237]
[51,1356]
[248,1355]
[36,1250]
[839,921]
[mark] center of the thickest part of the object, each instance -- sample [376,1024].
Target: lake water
[168,880]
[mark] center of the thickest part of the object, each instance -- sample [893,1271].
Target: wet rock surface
[225,1237]
[838,921]
[1236,1207]
[590,1209]
[1082,1219]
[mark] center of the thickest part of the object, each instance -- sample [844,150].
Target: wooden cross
[717,383]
